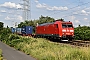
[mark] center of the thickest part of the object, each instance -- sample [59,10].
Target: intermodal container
[27,30]
[18,30]
[13,30]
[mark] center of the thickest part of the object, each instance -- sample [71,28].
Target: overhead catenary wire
[72,2]
[65,5]
[75,11]
[80,1]
[70,8]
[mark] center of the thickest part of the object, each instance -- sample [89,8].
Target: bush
[82,33]
[43,49]
[13,37]
[5,34]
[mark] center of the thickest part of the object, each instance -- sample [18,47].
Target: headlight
[71,30]
[63,30]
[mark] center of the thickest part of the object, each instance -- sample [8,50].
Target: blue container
[13,30]
[18,30]
[27,30]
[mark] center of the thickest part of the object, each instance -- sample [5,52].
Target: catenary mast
[26,9]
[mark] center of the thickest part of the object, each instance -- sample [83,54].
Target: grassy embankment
[1,58]
[43,49]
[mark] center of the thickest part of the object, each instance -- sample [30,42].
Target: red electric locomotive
[59,29]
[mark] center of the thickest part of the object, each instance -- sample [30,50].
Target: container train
[59,30]
[26,30]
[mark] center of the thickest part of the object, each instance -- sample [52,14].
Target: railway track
[80,43]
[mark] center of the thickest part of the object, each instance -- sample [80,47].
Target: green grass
[1,58]
[43,49]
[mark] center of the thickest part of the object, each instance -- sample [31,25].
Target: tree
[1,25]
[7,26]
[46,19]
[61,20]
[82,33]
[21,25]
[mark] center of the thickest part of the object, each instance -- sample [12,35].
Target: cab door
[56,29]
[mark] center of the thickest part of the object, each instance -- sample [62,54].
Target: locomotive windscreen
[64,25]
[67,25]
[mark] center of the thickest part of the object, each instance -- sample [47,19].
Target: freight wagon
[13,30]
[27,30]
[18,31]
[59,30]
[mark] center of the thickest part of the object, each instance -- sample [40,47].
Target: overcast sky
[77,11]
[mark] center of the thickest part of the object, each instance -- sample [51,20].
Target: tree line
[82,32]
[33,23]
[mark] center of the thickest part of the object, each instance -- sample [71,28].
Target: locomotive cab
[67,30]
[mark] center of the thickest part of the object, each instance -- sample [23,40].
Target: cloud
[11,12]
[10,5]
[77,21]
[1,15]
[72,17]
[3,11]
[45,6]
[36,1]
[20,18]
[75,13]
[83,12]
[9,18]
[87,8]
[85,18]
[41,5]
[57,8]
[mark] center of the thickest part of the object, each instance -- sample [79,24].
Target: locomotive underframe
[56,36]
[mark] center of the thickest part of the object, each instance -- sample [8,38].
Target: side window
[56,25]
